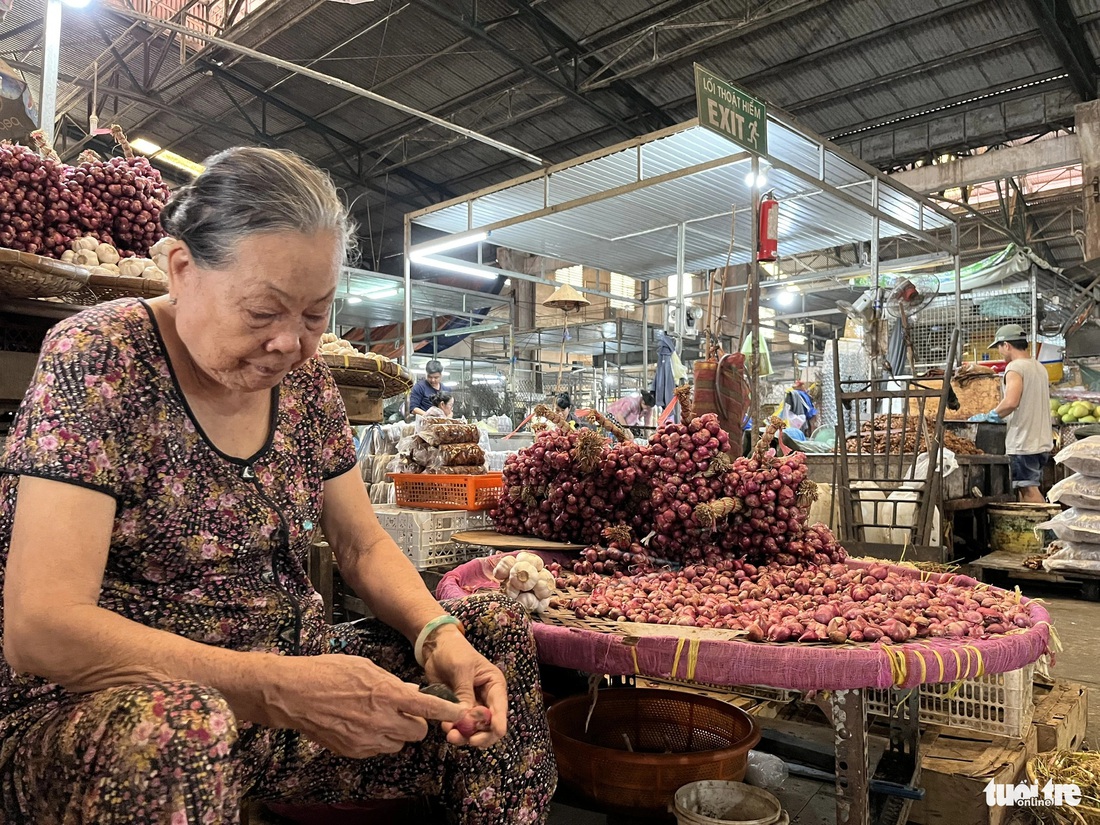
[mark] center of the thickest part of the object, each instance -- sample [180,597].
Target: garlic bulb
[528,601]
[503,568]
[532,559]
[107,254]
[523,576]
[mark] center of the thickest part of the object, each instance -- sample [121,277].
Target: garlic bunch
[103,259]
[525,578]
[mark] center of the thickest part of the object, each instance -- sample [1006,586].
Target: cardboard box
[955,771]
[1061,715]
[363,405]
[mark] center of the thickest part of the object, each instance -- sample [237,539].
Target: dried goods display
[45,204]
[905,436]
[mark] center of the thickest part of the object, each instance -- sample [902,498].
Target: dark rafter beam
[15,31]
[1064,36]
[547,27]
[320,128]
[479,34]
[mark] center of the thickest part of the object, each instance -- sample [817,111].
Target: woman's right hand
[351,706]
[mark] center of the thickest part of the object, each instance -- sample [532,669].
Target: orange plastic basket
[447,492]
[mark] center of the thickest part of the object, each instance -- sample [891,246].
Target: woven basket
[102,288]
[23,275]
[373,373]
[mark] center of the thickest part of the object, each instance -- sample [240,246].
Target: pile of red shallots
[46,204]
[833,603]
[679,495]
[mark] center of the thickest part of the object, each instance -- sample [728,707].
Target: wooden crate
[955,770]
[988,473]
[1061,715]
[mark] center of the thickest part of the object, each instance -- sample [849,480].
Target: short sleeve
[337,443]
[67,428]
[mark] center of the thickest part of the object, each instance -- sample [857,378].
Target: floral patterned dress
[211,547]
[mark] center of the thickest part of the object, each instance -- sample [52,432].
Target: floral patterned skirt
[173,753]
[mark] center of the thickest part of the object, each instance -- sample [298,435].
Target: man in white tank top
[1026,409]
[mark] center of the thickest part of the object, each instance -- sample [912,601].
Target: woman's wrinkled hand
[353,707]
[452,661]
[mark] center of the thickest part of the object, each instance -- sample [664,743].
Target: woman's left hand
[452,661]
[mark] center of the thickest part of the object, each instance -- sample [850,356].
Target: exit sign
[731,112]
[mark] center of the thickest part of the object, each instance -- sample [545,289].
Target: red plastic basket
[447,492]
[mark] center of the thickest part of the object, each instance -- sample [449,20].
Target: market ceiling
[892,82]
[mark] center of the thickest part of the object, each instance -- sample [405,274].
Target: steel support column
[853,800]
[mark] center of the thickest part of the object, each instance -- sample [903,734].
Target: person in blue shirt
[420,399]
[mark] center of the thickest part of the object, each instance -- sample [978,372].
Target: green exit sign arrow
[731,112]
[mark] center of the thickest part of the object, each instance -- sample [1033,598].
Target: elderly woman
[164,653]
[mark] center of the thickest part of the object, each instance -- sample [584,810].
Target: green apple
[1064,409]
[1069,418]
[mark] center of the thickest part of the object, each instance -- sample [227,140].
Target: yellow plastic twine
[634,656]
[898,665]
[692,659]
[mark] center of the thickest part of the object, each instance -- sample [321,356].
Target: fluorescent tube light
[422,251]
[452,265]
[152,150]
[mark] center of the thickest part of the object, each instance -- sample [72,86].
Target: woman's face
[448,407]
[247,325]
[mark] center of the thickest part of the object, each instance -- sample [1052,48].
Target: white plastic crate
[425,535]
[1000,703]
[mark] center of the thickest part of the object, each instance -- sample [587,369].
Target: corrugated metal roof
[635,231]
[826,63]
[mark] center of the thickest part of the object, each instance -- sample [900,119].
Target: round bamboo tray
[102,288]
[23,275]
[382,375]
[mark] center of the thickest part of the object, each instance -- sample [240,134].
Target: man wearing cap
[1026,409]
[420,399]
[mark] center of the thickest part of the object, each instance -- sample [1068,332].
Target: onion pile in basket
[45,204]
[679,534]
[833,603]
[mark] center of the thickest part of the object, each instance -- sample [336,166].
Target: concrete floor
[1075,620]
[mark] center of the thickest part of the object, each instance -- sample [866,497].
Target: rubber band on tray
[634,656]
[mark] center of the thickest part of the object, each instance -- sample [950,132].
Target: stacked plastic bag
[1078,528]
[441,446]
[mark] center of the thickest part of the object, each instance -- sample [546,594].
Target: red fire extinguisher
[768,249]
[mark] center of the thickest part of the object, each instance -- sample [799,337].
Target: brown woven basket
[674,738]
[102,288]
[23,275]
[381,374]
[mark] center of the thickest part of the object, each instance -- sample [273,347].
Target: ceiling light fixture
[154,151]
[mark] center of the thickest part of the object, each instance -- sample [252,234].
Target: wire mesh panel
[888,457]
[982,312]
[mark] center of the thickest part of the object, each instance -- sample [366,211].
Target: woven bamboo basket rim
[25,275]
[102,288]
[386,376]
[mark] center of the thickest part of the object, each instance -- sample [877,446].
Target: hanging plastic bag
[679,371]
[762,351]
